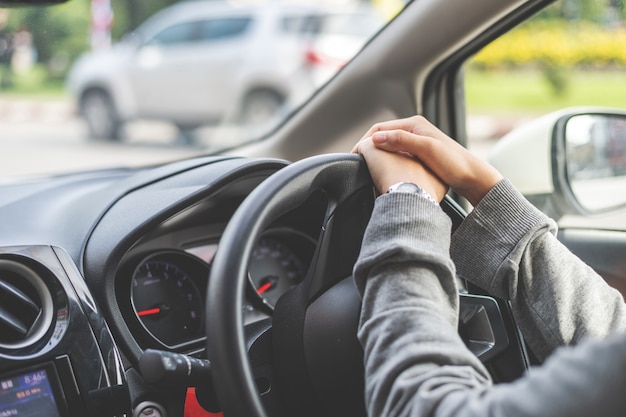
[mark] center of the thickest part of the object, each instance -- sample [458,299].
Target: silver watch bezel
[411,188]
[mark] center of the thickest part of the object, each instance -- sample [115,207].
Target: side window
[176,34]
[219,29]
[312,24]
[571,54]
[202,31]
[358,24]
[354,24]
[294,24]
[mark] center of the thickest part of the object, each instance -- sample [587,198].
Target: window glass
[77,92]
[180,33]
[357,24]
[224,28]
[294,24]
[571,54]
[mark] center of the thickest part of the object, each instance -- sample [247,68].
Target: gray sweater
[415,362]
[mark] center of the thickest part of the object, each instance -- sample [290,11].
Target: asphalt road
[40,148]
[46,137]
[39,137]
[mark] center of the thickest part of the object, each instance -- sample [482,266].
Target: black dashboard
[102,272]
[98,267]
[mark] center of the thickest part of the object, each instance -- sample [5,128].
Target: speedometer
[167,299]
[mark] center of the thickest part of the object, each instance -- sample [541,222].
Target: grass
[528,92]
[487,92]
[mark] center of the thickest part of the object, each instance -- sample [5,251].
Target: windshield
[93,84]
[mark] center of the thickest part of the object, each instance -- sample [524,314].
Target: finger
[449,160]
[358,147]
[403,141]
[441,157]
[397,124]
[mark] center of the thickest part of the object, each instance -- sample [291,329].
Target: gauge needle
[149,312]
[264,287]
[267,283]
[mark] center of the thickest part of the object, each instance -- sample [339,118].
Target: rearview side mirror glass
[595,160]
[571,161]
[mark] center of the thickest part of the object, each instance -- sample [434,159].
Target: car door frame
[444,103]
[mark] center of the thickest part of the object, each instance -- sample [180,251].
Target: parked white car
[207,62]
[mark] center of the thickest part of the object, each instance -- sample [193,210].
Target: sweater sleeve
[508,247]
[415,362]
[408,328]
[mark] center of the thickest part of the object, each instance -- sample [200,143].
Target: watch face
[404,187]
[408,187]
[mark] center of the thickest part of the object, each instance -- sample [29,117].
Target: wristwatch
[409,187]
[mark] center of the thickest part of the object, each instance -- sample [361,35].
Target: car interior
[222,284]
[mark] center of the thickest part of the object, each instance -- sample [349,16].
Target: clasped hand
[415,150]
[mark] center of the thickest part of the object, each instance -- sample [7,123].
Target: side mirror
[595,159]
[568,162]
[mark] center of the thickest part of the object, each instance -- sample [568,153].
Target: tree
[59,33]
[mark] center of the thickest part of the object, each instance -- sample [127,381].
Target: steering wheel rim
[345,181]
[339,176]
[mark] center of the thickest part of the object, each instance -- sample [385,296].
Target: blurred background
[92,77]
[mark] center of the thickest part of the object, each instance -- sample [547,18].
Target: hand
[464,172]
[388,168]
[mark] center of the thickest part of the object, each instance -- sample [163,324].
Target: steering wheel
[306,360]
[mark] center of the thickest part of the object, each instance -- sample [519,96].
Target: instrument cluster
[166,289]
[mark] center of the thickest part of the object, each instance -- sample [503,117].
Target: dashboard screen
[27,395]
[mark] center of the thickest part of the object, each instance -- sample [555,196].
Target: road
[46,137]
[39,138]
[43,149]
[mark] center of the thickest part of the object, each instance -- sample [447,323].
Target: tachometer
[167,299]
[275,268]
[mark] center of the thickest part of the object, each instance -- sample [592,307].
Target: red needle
[149,312]
[264,288]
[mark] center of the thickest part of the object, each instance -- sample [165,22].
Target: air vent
[25,305]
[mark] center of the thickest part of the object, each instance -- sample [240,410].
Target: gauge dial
[274,269]
[166,299]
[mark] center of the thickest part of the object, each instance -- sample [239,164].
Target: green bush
[556,43]
[556,47]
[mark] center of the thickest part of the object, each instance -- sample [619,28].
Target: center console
[57,356]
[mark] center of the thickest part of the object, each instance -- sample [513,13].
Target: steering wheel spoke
[258,337]
[339,243]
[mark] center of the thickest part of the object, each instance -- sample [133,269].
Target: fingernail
[380,137]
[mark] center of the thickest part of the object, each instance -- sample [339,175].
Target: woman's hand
[464,172]
[388,168]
